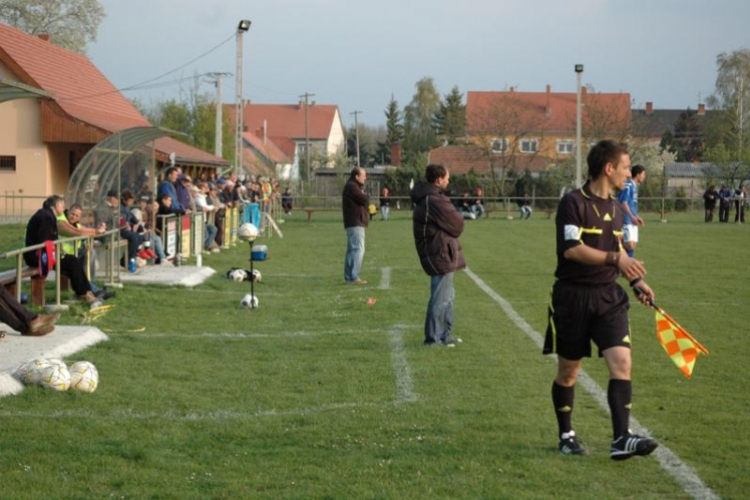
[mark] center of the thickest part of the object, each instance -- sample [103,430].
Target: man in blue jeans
[437,225]
[354,205]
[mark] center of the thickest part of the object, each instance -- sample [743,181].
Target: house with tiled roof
[275,136]
[511,131]
[42,140]
[681,128]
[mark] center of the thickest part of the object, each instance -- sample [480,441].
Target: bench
[8,280]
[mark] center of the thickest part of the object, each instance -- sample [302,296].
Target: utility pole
[307,95]
[579,179]
[215,78]
[356,133]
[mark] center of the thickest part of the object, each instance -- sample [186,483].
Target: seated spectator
[145,213]
[116,215]
[477,205]
[68,224]
[42,227]
[16,316]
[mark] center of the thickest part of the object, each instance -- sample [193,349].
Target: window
[565,146]
[500,145]
[529,145]
[7,163]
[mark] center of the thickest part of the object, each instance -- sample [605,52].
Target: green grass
[317,394]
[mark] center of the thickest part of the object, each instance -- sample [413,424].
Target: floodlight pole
[242,27]
[579,179]
[252,275]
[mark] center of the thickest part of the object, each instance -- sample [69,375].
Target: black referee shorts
[579,314]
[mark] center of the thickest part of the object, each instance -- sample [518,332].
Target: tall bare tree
[419,130]
[732,96]
[71,24]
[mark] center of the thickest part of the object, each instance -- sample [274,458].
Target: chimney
[396,154]
[301,105]
[43,36]
[548,102]
[265,131]
[512,89]
[701,109]
[649,108]
[583,92]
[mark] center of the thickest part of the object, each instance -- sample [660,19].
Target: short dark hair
[604,152]
[434,172]
[52,201]
[637,169]
[127,195]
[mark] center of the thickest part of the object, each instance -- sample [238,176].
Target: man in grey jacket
[437,226]
[354,206]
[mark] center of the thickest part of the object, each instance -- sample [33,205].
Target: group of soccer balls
[246,232]
[81,376]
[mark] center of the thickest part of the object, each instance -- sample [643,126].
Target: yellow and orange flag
[680,346]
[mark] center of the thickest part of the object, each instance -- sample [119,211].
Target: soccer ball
[247,232]
[249,300]
[256,276]
[84,377]
[237,275]
[30,373]
[56,377]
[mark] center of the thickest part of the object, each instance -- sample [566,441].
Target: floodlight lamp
[244,25]
[579,68]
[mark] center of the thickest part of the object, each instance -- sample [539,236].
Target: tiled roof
[548,112]
[658,121]
[268,150]
[80,89]
[288,120]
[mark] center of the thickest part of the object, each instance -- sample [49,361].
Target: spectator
[68,224]
[184,193]
[385,202]
[725,195]
[524,206]
[147,208]
[709,203]
[42,227]
[739,204]
[354,205]
[287,201]
[168,186]
[477,205]
[201,205]
[16,316]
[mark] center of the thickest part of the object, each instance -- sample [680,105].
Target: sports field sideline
[323,391]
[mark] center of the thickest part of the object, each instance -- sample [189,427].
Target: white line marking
[217,415]
[240,336]
[385,278]
[401,367]
[685,476]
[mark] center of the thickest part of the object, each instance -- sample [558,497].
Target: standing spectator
[628,199]
[739,204]
[587,303]
[42,227]
[287,201]
[385,202]
[709,203]
[437,225]
[477,205]
[184,193]
[16,316]
[168,186]
[201,205]
[725,195]
[354,205]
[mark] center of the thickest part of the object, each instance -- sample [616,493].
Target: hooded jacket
[437,226]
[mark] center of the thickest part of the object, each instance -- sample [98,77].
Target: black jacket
[437,226]
[41,227]
[354,205]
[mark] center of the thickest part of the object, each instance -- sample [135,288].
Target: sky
[357,54]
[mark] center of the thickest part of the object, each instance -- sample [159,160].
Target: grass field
[318,394]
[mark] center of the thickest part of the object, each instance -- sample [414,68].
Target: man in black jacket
[356,218]
[43,227]
[437,226]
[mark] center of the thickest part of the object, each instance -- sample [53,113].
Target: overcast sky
[357,53]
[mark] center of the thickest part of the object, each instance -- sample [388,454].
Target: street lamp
[579,70]
[242,27]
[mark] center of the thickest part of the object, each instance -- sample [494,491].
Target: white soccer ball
[249,300]
[30,373]
[247,232]
[256,275]
[55,377]
[84,377]
[238,275]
